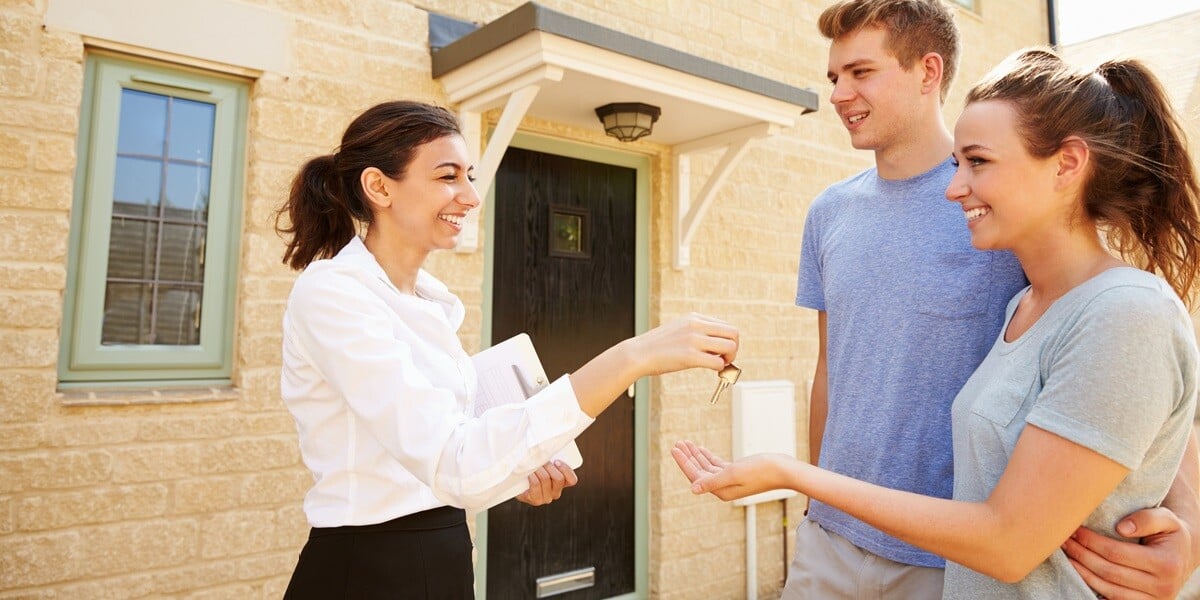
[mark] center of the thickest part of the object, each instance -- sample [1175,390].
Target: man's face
[876,98]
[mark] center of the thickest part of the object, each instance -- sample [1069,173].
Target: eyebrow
[973,147]
[455,165]
[850,65]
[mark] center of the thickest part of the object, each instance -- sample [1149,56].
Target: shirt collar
[430,288]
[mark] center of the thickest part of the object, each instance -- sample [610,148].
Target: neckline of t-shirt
[1007,346]
[918,180]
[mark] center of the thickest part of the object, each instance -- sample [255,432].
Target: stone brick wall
[197,494]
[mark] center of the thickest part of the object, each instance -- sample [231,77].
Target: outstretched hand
[547,483]
[688,342]
[1155,569]
[727,480]
[693,340]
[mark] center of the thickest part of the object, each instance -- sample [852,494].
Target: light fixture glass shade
[628,121]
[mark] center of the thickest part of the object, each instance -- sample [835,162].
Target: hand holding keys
[725,378]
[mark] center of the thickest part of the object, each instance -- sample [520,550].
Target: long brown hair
[327,202]
[1141,187]
[914,28]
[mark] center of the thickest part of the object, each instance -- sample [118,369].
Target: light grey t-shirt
[1111,366]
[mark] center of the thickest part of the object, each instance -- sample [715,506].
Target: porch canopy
[544,63]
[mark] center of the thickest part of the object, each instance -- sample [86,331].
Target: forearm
[601,380]
[975,535]
[1183,498]
[818,412]
[818,398]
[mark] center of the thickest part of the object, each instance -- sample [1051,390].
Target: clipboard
[512,372]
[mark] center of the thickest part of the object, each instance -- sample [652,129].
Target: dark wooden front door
[563,271]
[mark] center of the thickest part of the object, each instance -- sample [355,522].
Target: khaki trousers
[826,565]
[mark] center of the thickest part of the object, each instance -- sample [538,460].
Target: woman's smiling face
[431,199]
[1007,194]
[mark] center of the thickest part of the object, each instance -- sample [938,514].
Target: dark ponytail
[1141,187]
[327,203]
[320,220]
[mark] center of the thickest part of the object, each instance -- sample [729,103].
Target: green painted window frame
[83,360]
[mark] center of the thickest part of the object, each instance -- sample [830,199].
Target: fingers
[561,476]
[705,342]
[547,483]
[1094,549]
[1110,579]
[705,460]
[722,338]
[1155,568]
[689,467]
[713,459]
[569,476]
[1148,522]
[539,487]
[697,463]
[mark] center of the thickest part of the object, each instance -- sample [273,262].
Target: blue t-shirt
[911,308]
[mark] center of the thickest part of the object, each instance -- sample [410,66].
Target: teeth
[457,220]
[975,213]
[856,118]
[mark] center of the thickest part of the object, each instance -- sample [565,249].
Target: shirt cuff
[554,414]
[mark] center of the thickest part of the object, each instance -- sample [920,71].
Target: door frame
[641,423]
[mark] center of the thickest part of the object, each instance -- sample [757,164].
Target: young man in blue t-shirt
[907,309]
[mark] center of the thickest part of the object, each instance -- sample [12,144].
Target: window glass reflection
[191,130]
[143,123]
[155,263]
[182,247]
[177,319]
[131,249]
[126,314]
[136,187]
[187,192]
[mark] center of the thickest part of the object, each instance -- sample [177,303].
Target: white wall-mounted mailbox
[764,420]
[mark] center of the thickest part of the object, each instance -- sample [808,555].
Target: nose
[958,190]
[469,196]
[842,91]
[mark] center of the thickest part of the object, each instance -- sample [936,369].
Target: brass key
[725,378]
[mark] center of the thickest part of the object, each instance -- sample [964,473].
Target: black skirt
[423,555]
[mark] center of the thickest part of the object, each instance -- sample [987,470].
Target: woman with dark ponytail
[1082,411]
[380,386]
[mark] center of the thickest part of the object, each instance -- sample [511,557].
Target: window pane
[191,130]
[131,249]
[187,193]
[143,123]
[126,314]
[182,246]
[177,322]
[136,186]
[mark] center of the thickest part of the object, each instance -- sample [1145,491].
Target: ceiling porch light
[628,121]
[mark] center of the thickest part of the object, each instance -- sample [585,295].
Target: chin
[861,144]
[984,244]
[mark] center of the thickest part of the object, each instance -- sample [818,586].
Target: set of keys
[725,378]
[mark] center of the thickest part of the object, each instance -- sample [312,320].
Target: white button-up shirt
[381,391]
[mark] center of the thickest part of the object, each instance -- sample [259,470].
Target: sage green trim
[641,426]
[82,358]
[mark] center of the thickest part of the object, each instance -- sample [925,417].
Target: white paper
[512,372]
